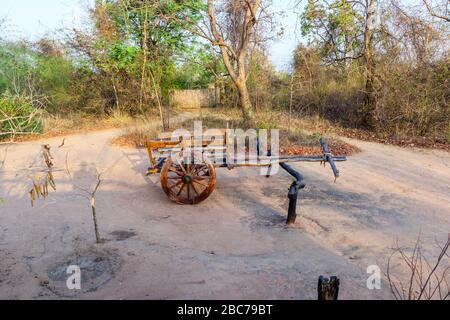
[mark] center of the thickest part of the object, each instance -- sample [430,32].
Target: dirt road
[233,246]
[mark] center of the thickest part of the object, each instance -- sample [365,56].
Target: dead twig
[425,281]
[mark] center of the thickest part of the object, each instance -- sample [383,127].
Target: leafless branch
[433,12]
[425,281]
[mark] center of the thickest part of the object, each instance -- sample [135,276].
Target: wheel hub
[187,178]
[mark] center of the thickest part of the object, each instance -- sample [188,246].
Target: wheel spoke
[181,189]
[198,169]
[182,167]
[176,184]
[189,191]
[174,170]
[175,178]
[195,190]
[200,183]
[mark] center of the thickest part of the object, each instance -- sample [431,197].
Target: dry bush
[413,101]
[333,92]
[78,122]
[411,81]
[424,280]
[44,179]
[192,99]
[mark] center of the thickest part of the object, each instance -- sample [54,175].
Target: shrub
[267,120]
[18,116]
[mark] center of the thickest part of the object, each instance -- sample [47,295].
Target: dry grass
[326,127]
[55,126]
[295,139]
[298,140]
[315,126]
[136,135]
[192,99]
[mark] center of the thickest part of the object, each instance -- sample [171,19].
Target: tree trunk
[369,88]
[94,217]
[370,99]
[291,101]
[245,102]
[236,70]
[158,100]
[144,63]
[116,94]
[328,289]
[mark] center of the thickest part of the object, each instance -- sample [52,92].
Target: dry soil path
[233,246]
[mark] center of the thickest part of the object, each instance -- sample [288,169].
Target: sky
[31,19]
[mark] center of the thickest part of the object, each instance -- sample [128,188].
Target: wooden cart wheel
[188,183]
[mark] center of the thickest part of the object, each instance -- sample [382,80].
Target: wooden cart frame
[191,180]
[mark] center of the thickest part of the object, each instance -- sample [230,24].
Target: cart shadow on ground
[266,201]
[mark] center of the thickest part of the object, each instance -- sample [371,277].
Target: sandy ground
[233,246]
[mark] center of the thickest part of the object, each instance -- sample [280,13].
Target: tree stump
[328,289]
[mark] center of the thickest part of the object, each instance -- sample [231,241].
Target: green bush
[18,116]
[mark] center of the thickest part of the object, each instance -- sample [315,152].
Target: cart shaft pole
[293,192]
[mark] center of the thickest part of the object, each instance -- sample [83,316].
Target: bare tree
[232,27]
[91,192]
